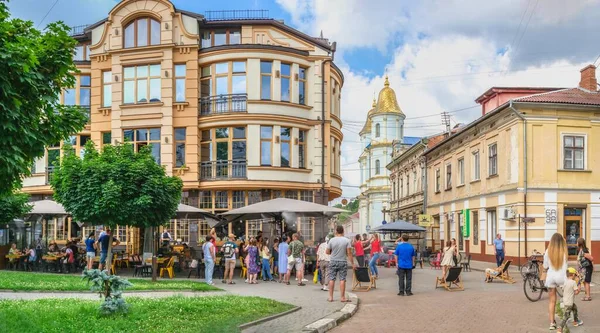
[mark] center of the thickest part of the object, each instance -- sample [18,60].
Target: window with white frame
[305,227]
[448,176]
[492,225]
[574,152]
[253,227]
[493,159]
[141,84]
[476,168]
[461,171]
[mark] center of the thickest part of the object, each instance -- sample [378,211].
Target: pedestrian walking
[367,248]
[275,256]
[340,250]
[230,251]
[570,289]
[499,248]
[359,251]
[266,258]
[296,259]
[252,262]
[209,260]
[555,263]
[323,260]
[90,250]
[585,260]
[448,258]
[405,256]
[104,242]
[283,260]
[376,251]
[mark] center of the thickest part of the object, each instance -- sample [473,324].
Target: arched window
[142,31]
[377,165]
[377,130]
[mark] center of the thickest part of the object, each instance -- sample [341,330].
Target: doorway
[573,229]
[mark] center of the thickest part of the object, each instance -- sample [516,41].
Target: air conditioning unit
[509,214]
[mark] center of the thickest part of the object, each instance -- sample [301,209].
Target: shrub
[111,288]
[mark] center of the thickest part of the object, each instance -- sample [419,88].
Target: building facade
[383,129]
[525,170]
[242,110]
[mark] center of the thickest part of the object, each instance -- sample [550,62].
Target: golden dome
[367,127]
[387,102]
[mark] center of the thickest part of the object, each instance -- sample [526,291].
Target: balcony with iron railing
[49,174]
[238,14]
[220,104]
[78,30]
[223,170]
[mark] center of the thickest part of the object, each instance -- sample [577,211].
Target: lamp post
[384,210]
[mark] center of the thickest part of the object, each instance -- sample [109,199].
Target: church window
[377,130]
[377,166]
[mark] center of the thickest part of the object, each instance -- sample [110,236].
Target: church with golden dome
[383,129]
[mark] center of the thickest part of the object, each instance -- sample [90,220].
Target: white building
[383,129]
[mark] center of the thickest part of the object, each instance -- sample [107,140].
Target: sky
[440,55]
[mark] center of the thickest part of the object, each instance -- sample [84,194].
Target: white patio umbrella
[191,212]
[47,207]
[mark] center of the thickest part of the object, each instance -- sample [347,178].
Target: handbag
[194,263]
[585,263]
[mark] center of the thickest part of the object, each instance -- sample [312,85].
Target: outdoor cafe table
[19,259]
[53,260]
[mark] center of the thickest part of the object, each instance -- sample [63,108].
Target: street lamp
[384,210]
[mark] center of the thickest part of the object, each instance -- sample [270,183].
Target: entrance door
[572,232]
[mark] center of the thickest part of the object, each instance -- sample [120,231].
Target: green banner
[467,223]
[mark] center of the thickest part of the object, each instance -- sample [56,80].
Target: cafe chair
[244,269]
[452,280]
[168,268]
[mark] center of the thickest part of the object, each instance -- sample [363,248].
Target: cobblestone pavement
[312,300]
[481,307]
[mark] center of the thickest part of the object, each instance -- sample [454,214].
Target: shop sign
[466,229]
[550,216]
[425,220]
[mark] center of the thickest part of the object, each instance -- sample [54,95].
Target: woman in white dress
[448,258]
[555,264]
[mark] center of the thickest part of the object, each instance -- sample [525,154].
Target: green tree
[351,207]
[116,187]
[34,68]
[13,205]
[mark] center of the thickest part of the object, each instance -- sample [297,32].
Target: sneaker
[552,326]
[400,294]
[578,323]
[223,281]
[409,294]
[325,288]
[304,280]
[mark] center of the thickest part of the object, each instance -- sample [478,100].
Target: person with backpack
[229,249]
[166,238]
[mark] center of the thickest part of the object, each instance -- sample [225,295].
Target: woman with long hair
[585,260]
[555,263]
[266,265]
[376,251]
[90,250]
[448,257]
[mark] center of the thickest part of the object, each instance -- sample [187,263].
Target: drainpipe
[518,114]
[333,47]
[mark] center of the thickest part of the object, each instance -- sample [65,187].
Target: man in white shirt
[323,263]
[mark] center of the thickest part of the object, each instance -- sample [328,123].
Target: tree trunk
[109,254]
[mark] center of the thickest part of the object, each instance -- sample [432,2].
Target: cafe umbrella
[280,209]
[42,210]
[400,227]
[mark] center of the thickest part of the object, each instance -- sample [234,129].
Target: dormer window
[142,32]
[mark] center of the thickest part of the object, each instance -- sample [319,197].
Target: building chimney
[588,78]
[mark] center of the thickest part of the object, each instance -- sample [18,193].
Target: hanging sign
[425,220]
[466,229]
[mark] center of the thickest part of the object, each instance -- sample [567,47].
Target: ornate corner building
[242,107]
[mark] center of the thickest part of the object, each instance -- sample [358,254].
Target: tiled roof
[564,96]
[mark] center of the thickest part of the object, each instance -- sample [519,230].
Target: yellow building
[529,162]
[243,110]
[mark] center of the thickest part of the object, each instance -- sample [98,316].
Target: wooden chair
[363,275]
[244,269]
[499,273]
[168,268]
[113,265]
[451,279]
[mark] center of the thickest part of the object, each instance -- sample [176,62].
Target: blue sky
[439,55]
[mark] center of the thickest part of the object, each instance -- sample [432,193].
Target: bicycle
[533,285]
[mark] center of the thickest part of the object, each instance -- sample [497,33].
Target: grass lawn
[173,314]
[27,281]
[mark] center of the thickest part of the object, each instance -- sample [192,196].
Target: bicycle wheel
[528,269]
[431,259]
[533,288]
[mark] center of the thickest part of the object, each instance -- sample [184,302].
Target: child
[570,290]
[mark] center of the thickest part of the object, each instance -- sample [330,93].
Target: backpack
[228,250]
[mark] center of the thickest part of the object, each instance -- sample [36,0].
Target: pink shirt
[358,248]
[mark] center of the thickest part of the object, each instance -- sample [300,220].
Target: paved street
[489,307]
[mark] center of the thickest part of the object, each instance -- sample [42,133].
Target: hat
[571,270]
[231,236]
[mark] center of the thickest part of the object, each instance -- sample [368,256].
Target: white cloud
[450,52]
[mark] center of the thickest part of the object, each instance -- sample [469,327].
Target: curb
[334,319]
[262,320]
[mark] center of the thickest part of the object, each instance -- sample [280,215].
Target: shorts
[103,258]
[338,268]
[553,281]
[297,262]
[230,264]
[91,255]
[588,274]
